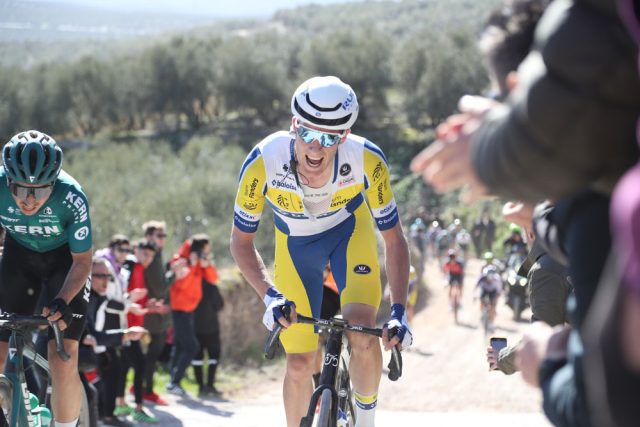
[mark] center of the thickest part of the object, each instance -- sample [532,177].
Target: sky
[214,8]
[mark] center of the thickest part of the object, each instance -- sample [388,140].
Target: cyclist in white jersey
[315,178]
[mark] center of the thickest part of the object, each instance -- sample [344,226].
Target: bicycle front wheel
[324,416]
[345,396]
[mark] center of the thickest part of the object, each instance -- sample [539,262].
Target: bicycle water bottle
[34,403]
[45,416]
[342,419]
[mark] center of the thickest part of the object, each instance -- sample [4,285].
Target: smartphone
[497,343]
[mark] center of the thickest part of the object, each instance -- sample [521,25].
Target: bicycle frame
[14,380]
[21,413]
[333,348]
[329,375]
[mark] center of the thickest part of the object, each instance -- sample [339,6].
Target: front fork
[14,371]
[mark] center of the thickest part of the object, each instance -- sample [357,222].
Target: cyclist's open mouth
[28,209]
[313,163]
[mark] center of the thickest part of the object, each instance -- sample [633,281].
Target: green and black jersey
[64,218]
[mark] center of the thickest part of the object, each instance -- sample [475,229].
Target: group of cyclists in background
[449,247]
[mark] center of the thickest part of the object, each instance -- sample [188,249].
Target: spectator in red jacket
[191,265]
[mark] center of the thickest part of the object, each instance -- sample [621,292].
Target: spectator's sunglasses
[38,193]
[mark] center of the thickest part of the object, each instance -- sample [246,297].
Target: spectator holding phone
[191,265]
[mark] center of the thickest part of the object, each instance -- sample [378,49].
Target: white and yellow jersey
[268,174]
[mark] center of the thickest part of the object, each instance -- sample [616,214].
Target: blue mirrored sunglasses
[325,139]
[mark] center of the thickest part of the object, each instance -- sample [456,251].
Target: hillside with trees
[159,129]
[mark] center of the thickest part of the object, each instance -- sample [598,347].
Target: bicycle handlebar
[18,321]
[395,364]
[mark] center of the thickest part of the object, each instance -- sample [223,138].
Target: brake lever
[59,342]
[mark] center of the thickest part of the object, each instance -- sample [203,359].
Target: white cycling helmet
[325,102]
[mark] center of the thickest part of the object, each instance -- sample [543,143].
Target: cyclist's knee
[300,366]
[59,367]
[361,343]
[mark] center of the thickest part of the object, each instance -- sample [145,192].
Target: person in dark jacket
[157,321]
[576,103]
[207,330]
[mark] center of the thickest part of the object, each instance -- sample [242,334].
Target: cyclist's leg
[299,263]
[65,379]
[354,263]
[492,311]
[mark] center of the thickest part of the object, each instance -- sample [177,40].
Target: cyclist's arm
[74,282]
[397,263]
[77,275]
[249,261]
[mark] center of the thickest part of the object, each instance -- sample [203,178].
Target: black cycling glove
[60,306]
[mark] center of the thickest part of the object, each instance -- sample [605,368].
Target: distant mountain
[211,8]
[48,21]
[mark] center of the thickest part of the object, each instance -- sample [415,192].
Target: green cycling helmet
[32,157]
[514,228]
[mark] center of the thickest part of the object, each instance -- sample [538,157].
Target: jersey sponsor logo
[250,206]
[250,190]
[12,210]
[244,223]
[377,172]
[381,187]
[75,201]
[48,211]
[362,269]
[387,209]
[280,184]
[345,181]
[87,292]
[345,169]
[246,215]
[285,167]
[32,179]
[34,229]
[339,201]
[81,233]
[9,219]
[282,201]
[388,220]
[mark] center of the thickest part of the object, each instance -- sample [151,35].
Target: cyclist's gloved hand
[58,305]
[275,302]
[400,323]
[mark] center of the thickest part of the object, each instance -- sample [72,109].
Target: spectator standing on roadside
[156,322]
[132,355]
[191,265]
[106,322]
[207,328]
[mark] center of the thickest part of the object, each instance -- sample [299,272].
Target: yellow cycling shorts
[351,249]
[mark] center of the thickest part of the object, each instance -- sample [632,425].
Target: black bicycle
[15,402]
[334,390]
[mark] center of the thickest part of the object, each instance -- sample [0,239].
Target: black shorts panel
[330,303]
[29,280]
